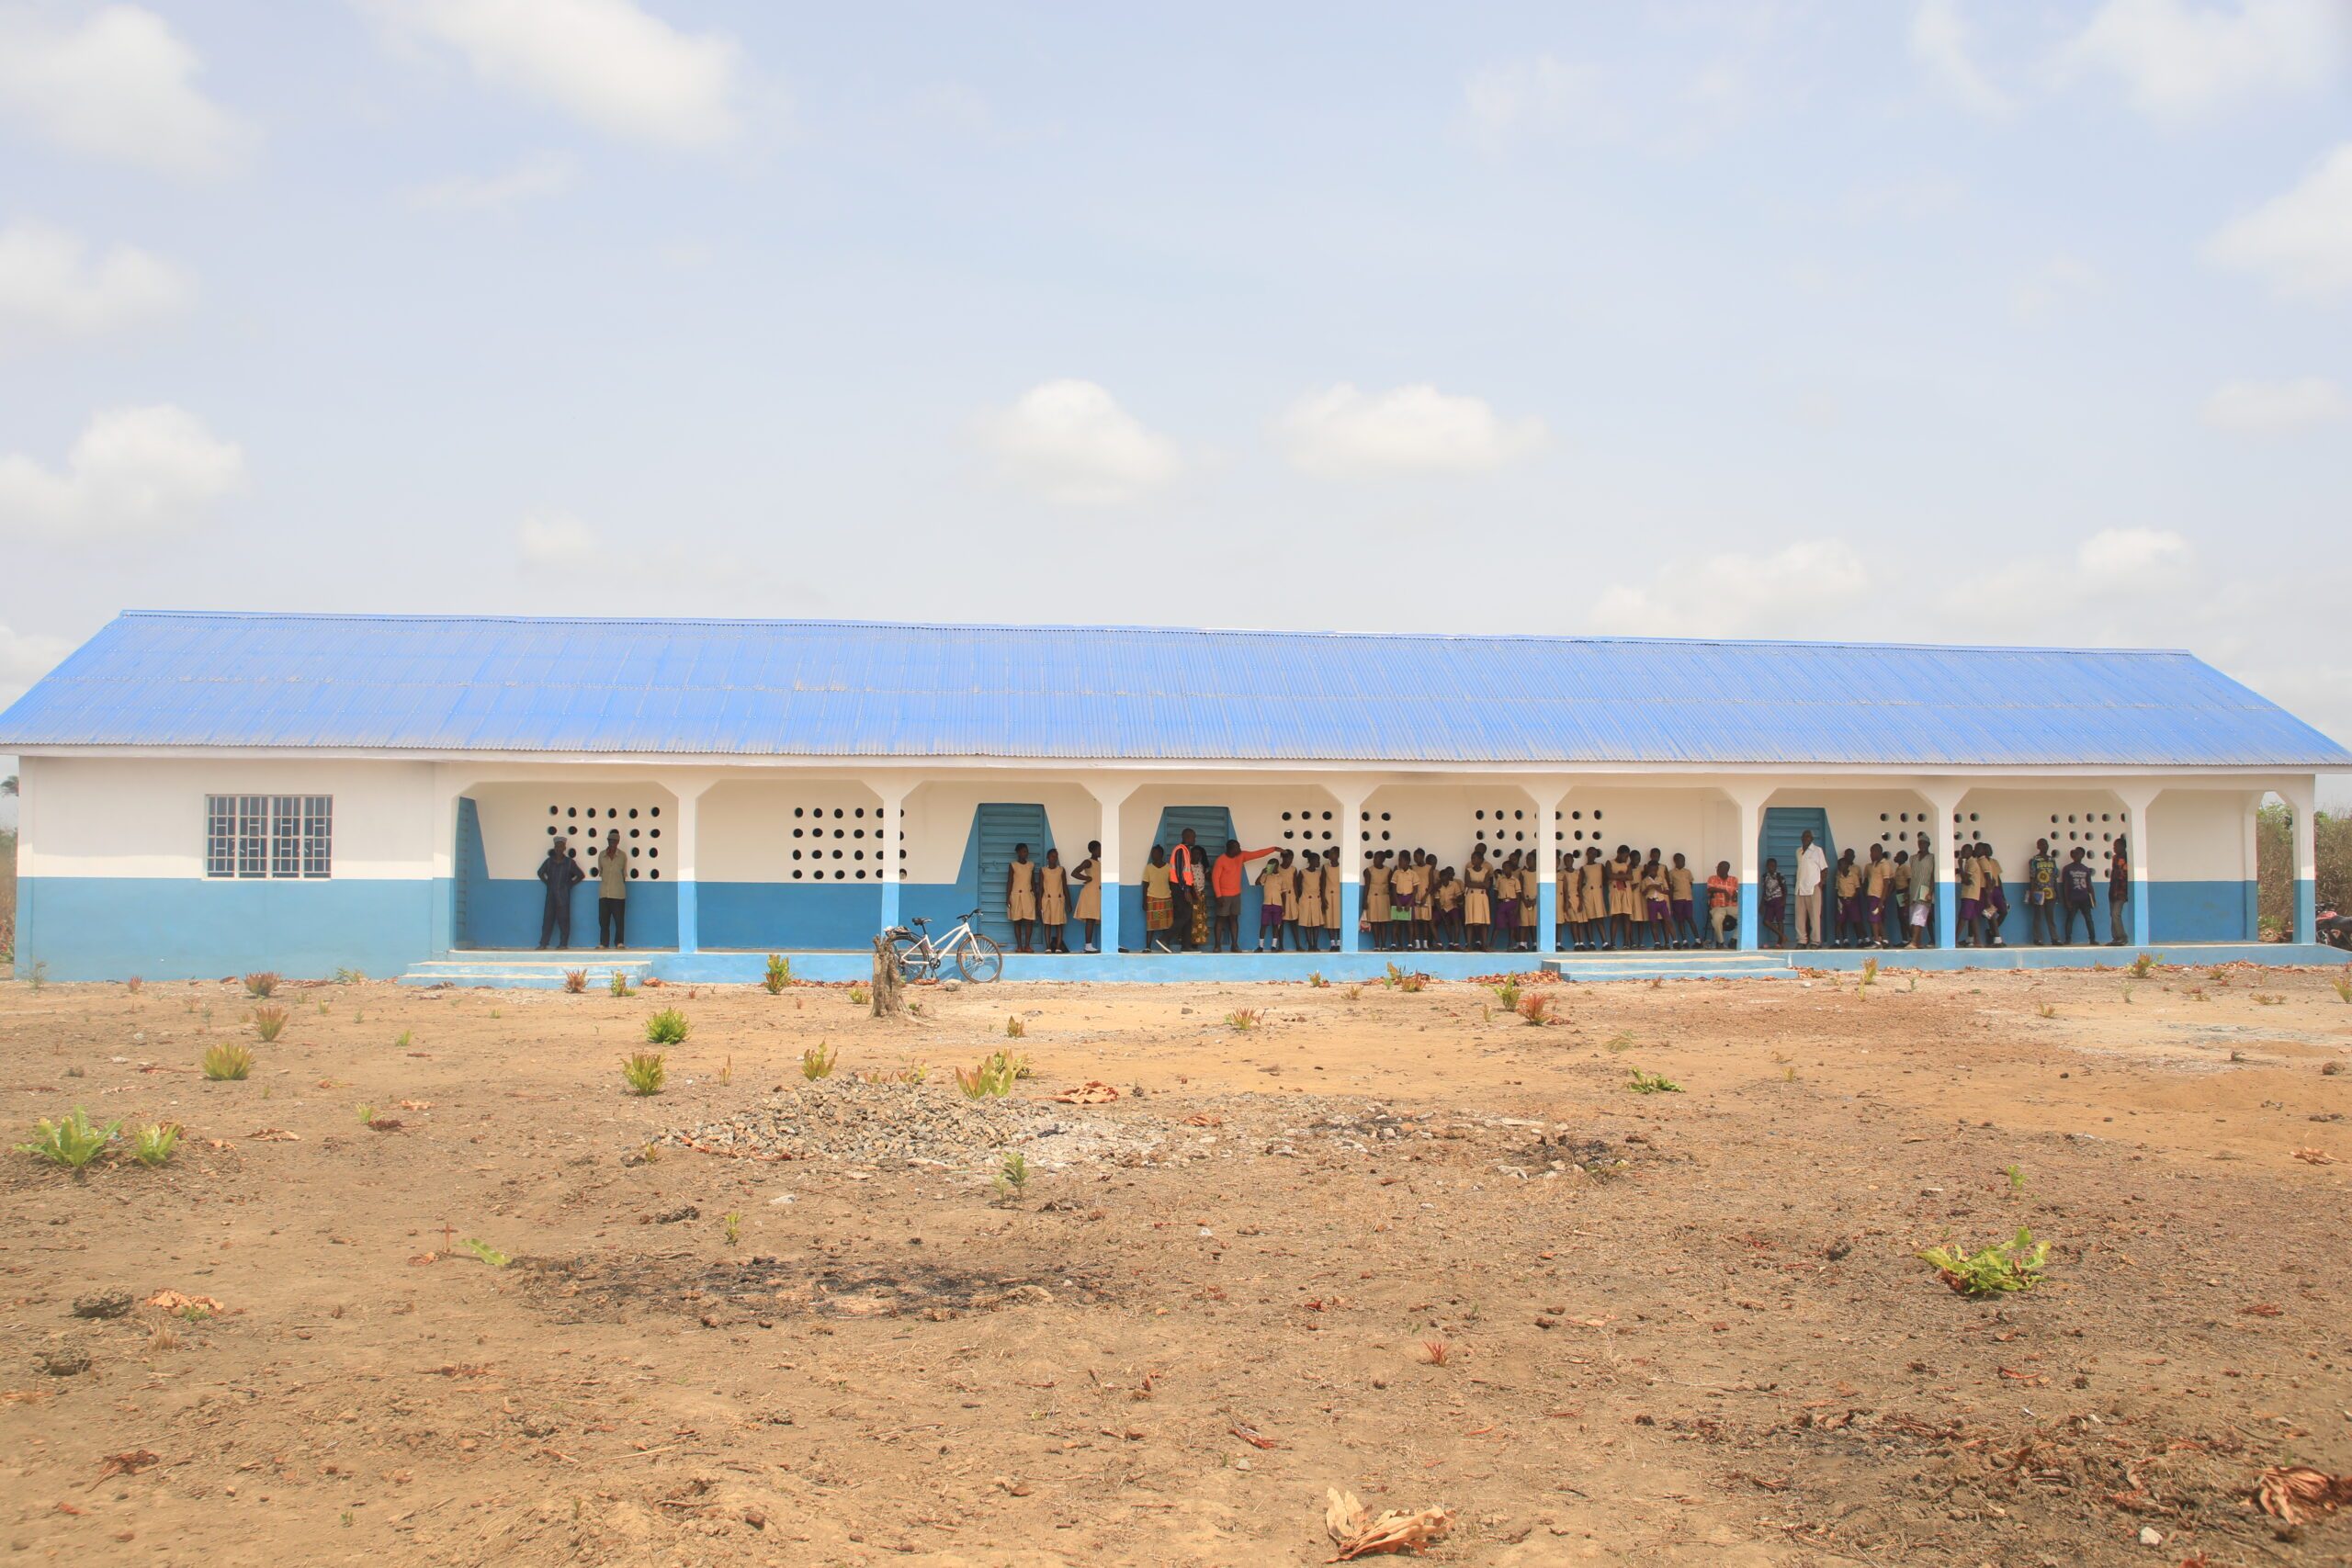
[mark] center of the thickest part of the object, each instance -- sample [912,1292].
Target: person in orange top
[1723,899]
[1224,886]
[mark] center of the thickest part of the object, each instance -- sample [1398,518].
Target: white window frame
[250,838]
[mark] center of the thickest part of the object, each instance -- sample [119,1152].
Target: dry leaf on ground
[2315,1156]
[2299,1495]
[1357,1533]
[275,1136]
[176,1301]
[1090,1093]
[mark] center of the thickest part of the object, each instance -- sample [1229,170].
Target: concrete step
[532,970]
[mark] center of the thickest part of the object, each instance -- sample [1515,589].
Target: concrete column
[2249,861]
[1548,799]
[689,793]
[2301,795]
[2136,801]
[1750,804]
[448,788]
[1110,798]
[1350,795]
[1944,801]
[894,796]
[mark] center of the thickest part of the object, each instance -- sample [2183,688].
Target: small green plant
[2343,990]
[261,982]
[495,1013]
[859,995]
[38,976]
[350,977]
[1536,1008]
[1241,1020]
[1508,994]
[1013,1177]
[404,1039]
[726,1070]
[2269,1000]
[1390,979]
[486,1253]
[1014,1029]
[1619,1041]
[1316,982]
[1870,973]
[817,1061]
[1652,1083]
[226,1061]
[779,974]
[730,1224]
[892,1075]
[1434,1352]
[575,981]
[2017,1178]
[618,984]
[1413,983]
[268,1022]
[1788,1075]
[71,1143]
[2044,1009]
[1017,1066]
[2143,965]
[153,1147]
[2013,1265]
[366,1113]
[1353,993]
[2128,989]
[645,1072]
[668,1027]
[992,1080]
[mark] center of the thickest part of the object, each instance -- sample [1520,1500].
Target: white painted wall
[514,819]
[141,816]
[790,830]
[939,821]
[2199,835]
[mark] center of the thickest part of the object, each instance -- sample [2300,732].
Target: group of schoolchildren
[1193,902]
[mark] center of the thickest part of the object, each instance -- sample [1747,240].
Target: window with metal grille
[269,835]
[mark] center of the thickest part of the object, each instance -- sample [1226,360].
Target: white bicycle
[977,957]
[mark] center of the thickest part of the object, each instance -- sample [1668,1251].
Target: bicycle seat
[919,920]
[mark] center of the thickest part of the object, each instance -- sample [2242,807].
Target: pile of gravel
[891,1125]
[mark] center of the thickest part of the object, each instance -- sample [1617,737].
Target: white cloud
[2133,556]
[2058,281]
[2300,241]
[539,175]
[51,286]
[1730,594]
[608,61]
[120,86]
[133,471]
[1542,97]
[557,540]
[1939,42]
[2277,408]
[2180,57]
[1070,441]
[1346,433]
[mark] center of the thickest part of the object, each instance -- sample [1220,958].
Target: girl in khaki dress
[1021,897]
[1478,899]
[1308,890]
[1273,896]
[1053,901]
[1334,901]
[1404,886]
[1089,877]
[1530,903]
[1592,880]
[1622,869]
[1376,897]
[1446,916]
[1506,899]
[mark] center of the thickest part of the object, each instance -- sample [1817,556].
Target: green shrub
[2013,1265]
[153,1147]
[1652,1083]
[71,1143]
[645,1072]
[779,974]
[261,982]
[268,1023]
[227,1061]
[817,1061]
[668,1027]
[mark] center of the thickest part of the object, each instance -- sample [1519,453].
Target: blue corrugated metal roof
[835,689]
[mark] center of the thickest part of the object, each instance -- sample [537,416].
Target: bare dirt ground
[1675,1327]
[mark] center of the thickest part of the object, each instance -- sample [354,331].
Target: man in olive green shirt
[612,892]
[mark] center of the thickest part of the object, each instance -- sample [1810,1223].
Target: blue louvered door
[996,830]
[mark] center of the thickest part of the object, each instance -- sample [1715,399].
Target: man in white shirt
[1811,866]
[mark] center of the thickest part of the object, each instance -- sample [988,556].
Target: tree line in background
[2274,860]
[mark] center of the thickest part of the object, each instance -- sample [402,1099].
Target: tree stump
[888,1003]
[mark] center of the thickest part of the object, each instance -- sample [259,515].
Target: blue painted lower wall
[110,928]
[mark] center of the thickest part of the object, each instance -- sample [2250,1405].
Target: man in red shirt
[1225,883]
[1188,885]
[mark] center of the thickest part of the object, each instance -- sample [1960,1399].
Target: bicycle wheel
[981,959]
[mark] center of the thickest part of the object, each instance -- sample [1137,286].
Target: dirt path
[1673,1327]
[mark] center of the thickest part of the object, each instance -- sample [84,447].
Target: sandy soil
[1678,1328]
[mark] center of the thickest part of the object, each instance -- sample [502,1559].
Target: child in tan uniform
[1053,901]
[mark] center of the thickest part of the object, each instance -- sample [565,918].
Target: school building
[208,794]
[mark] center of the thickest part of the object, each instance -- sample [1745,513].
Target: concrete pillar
[2249,859]
[1749,804]
[1350,795]
[448,788]
[1548,799]
[1110,798]
[1945,803]
[2137,799]
[683,849]
[894,794]
[2301,795]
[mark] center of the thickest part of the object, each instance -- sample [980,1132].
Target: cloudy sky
[1990,320]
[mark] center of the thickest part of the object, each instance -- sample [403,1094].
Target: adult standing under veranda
[1812,866]
[611,892]
[559,874]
